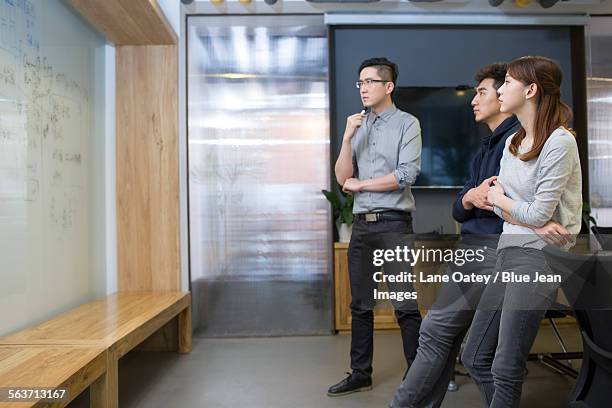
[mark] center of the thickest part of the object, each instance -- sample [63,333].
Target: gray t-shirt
[548,187]
[389,142]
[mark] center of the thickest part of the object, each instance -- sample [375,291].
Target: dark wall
[434,56]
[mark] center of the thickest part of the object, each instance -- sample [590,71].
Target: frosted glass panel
[258,158]
[51,161]
[599,88]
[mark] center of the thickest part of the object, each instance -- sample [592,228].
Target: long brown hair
[551,112]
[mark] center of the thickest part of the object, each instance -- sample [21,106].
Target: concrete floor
[296,372]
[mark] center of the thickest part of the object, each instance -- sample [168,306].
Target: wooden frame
[146,140]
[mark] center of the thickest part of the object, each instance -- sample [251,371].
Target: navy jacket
[484,165]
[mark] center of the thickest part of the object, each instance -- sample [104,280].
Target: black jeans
[365,239]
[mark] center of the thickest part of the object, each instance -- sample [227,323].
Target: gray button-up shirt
[383,144]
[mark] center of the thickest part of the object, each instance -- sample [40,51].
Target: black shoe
[349,385]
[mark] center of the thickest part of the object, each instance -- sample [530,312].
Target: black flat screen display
[450,134]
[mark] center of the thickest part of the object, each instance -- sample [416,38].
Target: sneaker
[350,385]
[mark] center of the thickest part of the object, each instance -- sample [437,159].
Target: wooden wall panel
[147,168]
[128,22]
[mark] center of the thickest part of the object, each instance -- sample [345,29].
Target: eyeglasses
[368,82]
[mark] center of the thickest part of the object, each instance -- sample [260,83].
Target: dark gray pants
[366,238]
[441,335]
[505,327]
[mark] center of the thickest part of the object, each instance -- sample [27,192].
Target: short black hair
[386,69]
[496,71]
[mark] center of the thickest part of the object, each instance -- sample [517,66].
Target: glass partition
[258,135]
[599,94]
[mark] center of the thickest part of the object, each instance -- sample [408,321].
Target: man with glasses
[379,160]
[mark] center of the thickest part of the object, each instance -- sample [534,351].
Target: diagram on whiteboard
[44,121]
[52,159]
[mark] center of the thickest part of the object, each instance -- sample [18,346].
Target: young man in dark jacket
[445,325]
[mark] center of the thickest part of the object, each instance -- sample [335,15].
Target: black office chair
[554,360]
[587,283]
[603,236]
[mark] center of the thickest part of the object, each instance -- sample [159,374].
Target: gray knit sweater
[548,187]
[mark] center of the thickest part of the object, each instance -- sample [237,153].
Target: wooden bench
[70,369]
[116,324]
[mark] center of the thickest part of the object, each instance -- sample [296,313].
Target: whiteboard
[51,161]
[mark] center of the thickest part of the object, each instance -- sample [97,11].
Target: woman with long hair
[539,185]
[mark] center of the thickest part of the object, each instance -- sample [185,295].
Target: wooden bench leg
[184,330]
[104,392]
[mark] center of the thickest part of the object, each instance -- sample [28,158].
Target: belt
[384,215]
